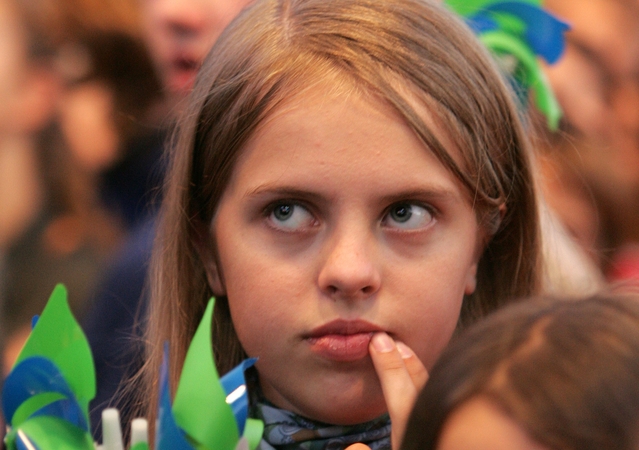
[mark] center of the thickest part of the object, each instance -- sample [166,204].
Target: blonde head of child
[343,169]
[541,374]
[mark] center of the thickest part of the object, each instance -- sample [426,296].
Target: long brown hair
[400,51]
[567,372]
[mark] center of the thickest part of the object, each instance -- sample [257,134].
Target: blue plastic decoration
[522,30]
[46,395]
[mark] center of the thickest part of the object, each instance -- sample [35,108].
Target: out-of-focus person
[597,84]
[537,375]
[93,86]
[179,34]
[27,98]
[28,90]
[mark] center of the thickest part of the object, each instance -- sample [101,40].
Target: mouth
[183,72]
[186,64]
[342,340]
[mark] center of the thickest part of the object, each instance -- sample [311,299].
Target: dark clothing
[131,189]
[115,323]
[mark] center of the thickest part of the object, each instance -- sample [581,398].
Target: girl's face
[337,223]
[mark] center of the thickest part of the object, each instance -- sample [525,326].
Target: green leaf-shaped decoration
[545,100]
[49,433]
[33,404]
[253,431]
[469,7]
[58,337]
[200,406]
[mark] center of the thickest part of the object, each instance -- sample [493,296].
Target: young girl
[539,375]
[351,182]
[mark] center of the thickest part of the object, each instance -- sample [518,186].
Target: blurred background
[590,166]
[79,102]
[89,90]
[85,104]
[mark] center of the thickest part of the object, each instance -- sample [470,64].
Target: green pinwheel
[46,396]
[518,32]
[207,413]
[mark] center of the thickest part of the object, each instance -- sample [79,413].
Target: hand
[402,376]
[358,446]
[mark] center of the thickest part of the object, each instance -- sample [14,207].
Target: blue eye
[290,217]
[407,216]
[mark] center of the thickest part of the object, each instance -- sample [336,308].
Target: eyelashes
[290,216]
[408,216]
[295,216]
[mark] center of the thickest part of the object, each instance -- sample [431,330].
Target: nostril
[336,291]
[182,30]
[368,290]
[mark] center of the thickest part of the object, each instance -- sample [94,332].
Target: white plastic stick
[139,431]
[111,431]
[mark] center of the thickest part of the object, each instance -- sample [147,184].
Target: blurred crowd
[77,94]
[590,166]
[88,90]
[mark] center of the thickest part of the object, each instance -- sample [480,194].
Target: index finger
[396,375]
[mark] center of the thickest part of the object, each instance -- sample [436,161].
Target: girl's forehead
[324,139]
[338,89]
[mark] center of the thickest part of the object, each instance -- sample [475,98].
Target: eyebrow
[438,193]
[284,191]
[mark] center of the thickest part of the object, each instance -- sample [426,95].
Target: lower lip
[341,347]
[182,80]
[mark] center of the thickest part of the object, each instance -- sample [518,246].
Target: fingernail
[382,342]
[404,350]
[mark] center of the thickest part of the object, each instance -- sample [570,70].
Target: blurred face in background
[597,84]
[28,86]
[12,60]
[181,32]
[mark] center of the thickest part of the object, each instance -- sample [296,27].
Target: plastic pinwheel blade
[502,43]
[168,435]
[47,433]
[467,8]
[32,405]
[253,432]
[37,387]
[30,377]
[57,336]
[521,30]
[544,32]
[200,406]
[234,384]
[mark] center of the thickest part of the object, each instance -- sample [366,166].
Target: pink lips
[342,340]
[183,72]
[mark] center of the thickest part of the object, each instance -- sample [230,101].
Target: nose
[184,19]
[350,270]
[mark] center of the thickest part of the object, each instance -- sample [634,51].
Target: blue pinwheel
[518,32]
[208,413]
[46,396]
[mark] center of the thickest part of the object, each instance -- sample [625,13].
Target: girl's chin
[335,398]
[344,411]
[180,82]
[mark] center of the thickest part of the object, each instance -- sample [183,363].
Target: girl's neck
[284,428]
